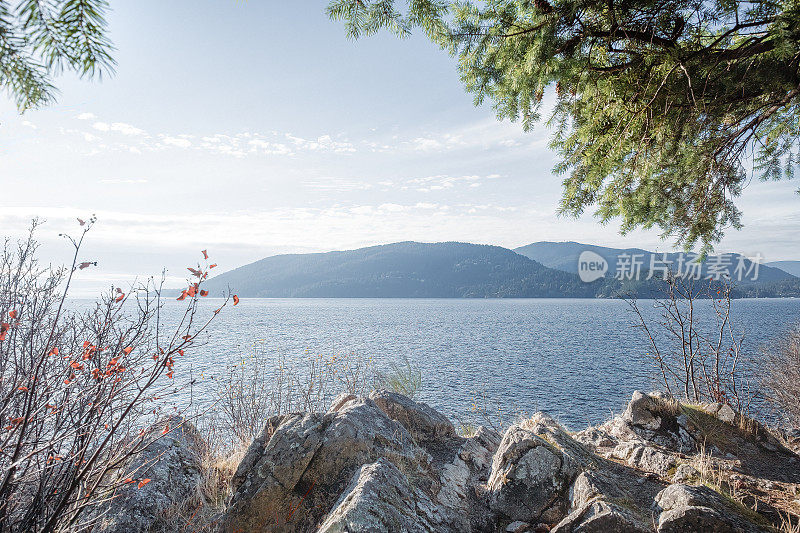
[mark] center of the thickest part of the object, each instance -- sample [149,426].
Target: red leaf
[120,297]
[13,313]
[128,350]
[235,300]
[212,266]
[81,222]
[87,264]
[144,482]
[54,351]
[205,254]
[203,293]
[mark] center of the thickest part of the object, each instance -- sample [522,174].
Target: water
[577,359]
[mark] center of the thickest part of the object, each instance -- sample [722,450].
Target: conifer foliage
[663,109]
[42,38]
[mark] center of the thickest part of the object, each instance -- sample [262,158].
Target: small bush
[76,388]
[404,378]
[782,376]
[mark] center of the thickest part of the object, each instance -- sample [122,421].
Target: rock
[340,401]
[588,486]
[726,414]
[379,498]
[684,472]
[533,470]
[172,463]
[518,527]
[595,437]
[295,478]
[458,478]
[644,457]
[254,451]
[687,508]
[423,422]
[640,412]
[600,517]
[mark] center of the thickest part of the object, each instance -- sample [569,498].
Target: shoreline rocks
[387,463]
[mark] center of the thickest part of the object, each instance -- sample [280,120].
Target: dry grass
[202,511]
[790,523]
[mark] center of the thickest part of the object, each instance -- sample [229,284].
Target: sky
[255,128]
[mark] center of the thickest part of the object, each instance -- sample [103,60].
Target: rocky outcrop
[533,470]
[380,498]
[171,463]
[295,478]
[688,508]
[388,463]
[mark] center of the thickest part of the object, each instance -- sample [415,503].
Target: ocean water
[577,359]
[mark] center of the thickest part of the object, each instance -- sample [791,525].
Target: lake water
[577,359]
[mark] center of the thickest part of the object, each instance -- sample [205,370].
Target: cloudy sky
[255,128]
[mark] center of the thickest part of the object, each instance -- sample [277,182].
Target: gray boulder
[689,508]
[533,470]
[295,478]
[424,423]
[380,498]
[600,516]
[172,463]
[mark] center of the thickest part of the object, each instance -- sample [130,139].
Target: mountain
[458,270]
[790,267]
[564,256]
[404,270]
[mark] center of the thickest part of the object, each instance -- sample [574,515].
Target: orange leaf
[235,300]
[13,313]
[120,297]
[128,350]
[23,388]
[54,351]
[205,254]
[144,482]
[203,293]
[182,296]
[165,430]
[212,266]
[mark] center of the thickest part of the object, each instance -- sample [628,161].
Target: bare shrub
[782,376]
[78,387]
[262,384]
[697,360]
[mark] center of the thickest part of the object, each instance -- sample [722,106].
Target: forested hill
[402,270]
[447,270]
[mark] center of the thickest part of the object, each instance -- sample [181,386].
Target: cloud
[29,124]
[126,129]
[86,116]
[442,182]
[180,142]
[115,181]
[101,126]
